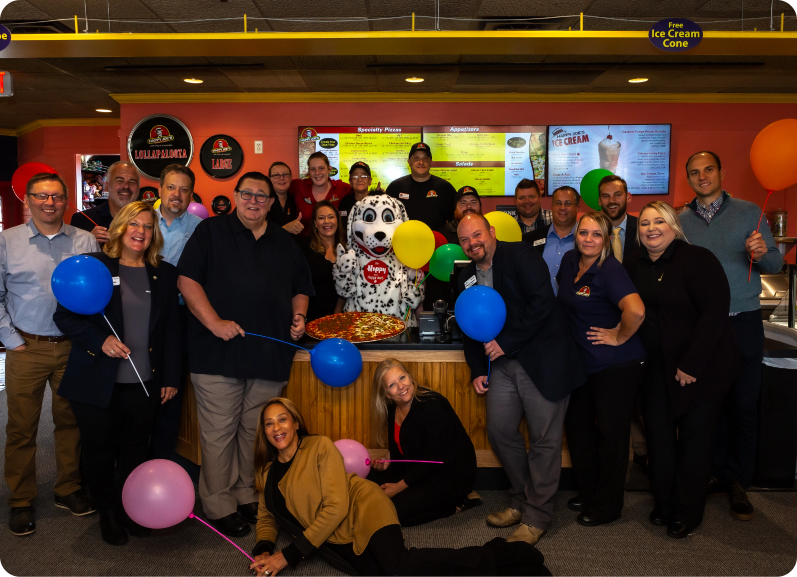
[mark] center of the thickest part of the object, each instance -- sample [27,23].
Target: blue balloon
[336,362]
[82,284]
[480,313]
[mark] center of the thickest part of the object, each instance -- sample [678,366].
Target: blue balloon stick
[279,341]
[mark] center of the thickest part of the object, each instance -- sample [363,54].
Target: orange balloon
[773,155]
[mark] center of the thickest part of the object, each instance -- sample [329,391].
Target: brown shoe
[526,533]
[505,518]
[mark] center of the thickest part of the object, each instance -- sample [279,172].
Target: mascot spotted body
[370,276]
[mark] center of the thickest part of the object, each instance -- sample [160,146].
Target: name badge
[470,282]
[308,201]
[404,196]
[539,242]
[115,280]
[343,212]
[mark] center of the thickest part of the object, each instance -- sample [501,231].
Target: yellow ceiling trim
[8,132]
[631,43]
[289,97]
[47,122]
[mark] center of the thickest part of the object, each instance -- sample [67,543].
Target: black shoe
[679,529]
[22,521]
[132,527]
[588,519]
[577,503]
[233,525]
[112,529]
[249,512]
[715,487]
[78,503]
[741,508]
[660,516]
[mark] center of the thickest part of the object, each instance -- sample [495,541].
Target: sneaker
[78,503]
[505,518]
[741,508]
[526,533]
[22,521]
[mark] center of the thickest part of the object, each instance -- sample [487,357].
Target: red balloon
[439,240]
[23,174]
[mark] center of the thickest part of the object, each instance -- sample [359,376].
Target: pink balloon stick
[369,461]
[192,516]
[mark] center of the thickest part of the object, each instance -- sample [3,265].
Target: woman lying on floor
[305,490]
[420,424]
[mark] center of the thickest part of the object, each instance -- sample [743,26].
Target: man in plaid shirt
[527,200]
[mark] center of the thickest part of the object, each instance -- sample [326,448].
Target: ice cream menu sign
[384,148]
[492,159]
[640,153]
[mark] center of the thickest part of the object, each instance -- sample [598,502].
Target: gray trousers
[534,474]
[228,410]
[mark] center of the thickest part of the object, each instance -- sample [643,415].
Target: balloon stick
[279,341]
[129,358]
[83,213]
[750,272]
[369,461]
[192,516]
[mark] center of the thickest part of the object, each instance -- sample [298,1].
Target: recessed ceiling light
[104,110]
[637,80]
[414,79]
[193,80]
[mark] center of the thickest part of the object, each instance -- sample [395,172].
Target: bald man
[534,365]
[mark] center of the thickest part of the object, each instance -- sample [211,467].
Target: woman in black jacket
[420,424]
[113,411]
[692,363]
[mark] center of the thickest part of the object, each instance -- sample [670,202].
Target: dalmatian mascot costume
[370,276]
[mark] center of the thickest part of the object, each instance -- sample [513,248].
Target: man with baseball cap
[360,181]
[467,201]
[426,197]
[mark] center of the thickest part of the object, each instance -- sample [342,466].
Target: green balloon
[442,263]
[589,187]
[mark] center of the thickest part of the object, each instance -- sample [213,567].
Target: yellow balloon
[413,243]
[157,204]
[506,228]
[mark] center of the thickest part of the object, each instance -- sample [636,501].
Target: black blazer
[432,431]
[90,374]
[696,332]
[537,332]
[538,233]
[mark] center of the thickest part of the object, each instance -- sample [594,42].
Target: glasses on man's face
[566,203]
[43,197]
[259,197]
[281,176]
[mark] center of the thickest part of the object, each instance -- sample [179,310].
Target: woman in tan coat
[305,490]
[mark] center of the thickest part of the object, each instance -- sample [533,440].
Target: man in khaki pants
[37,351]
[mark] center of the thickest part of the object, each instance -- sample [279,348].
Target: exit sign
[6,84]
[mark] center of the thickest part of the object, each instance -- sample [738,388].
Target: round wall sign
[221,205]
[5,34]
[221,156]
[675,34]
[148,194]
[158,141]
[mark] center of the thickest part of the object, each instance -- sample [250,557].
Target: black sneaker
[78,503]
[22,521]
[741,508]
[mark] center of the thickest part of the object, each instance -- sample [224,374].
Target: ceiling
[51,88]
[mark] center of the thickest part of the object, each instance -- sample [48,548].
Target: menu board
[491,159]
[384,148]
[639,153]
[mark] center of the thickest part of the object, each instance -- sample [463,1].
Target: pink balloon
[356,458]
[158,494]
[199,210]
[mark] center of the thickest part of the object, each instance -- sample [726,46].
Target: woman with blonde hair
[605,312]
[113,412]
[692,362]
[305,490]
[419,424]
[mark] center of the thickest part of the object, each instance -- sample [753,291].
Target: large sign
[675,34]
[221,156]
[158,141]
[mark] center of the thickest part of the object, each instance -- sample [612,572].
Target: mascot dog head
[371,225]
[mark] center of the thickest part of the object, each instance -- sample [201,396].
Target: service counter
[345,413]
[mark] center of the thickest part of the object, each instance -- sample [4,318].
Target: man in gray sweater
[727,227]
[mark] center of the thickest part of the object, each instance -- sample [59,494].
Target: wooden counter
[345,413]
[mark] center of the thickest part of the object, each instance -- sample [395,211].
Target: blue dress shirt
[176,234]
[555,248]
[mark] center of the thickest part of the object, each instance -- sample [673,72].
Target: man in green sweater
[727,227]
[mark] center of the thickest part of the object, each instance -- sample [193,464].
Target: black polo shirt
[252,283]
[100,214]
[431,202]
[280,215]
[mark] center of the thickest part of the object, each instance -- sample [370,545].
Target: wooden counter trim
[410,356]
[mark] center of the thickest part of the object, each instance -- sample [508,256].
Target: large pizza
[355,327]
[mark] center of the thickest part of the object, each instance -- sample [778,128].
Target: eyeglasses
[42,197]
[259,197]
[359,176]
[566,203]
[283,175]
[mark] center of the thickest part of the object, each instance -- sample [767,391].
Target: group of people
[601,311]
